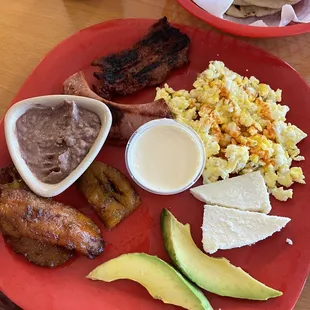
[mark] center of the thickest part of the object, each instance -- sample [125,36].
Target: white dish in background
[165,157]
[18,109]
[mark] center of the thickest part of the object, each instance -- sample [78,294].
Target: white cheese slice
[225,228]
[244,192]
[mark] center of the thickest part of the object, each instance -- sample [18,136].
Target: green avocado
[160,279]
[216,275]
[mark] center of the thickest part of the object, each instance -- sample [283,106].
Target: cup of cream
[165,157]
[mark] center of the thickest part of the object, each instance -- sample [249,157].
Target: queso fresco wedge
[216,275]
[160,279]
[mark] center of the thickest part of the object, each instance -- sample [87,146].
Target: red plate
[272,261]
[243,30]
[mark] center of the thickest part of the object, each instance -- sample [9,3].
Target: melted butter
[165,158]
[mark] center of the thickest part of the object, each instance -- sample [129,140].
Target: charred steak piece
[146,64]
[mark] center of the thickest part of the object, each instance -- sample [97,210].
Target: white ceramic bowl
[40,188]
[162,122]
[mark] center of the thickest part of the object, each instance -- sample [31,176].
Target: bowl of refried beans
[53,139]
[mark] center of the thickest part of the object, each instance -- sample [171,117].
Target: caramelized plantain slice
[24,214]
[39,253]
[35,251]
[109,192]
[10,177]
[44,231]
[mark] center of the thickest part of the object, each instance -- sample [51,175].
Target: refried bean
[54,140]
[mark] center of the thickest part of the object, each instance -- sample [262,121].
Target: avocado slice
[216,275]
[160,279]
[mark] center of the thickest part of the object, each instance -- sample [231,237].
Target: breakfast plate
[273,261]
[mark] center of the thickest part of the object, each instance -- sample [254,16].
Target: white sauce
[165,158]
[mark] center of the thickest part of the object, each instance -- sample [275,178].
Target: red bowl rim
[243,30]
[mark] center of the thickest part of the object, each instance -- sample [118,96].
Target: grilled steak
[146,64]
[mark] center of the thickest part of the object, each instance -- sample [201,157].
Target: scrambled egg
[242,126]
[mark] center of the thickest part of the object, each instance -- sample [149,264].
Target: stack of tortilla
[257,8]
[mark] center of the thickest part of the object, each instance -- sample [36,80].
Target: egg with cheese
[242,125]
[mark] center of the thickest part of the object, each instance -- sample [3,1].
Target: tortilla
[249,11]
[272,4]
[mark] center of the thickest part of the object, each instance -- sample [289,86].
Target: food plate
[243,30]
[272,261]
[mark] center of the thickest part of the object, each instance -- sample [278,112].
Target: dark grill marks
[146,64]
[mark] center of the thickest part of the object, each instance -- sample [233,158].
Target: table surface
[30,28]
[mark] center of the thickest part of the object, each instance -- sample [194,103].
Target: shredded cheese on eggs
[242,125]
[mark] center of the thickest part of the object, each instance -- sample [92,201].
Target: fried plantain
[10,177]
[39,253]
[109,192]
[25,215]
[36,252]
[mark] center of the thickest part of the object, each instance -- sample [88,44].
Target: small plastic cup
[143,183]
